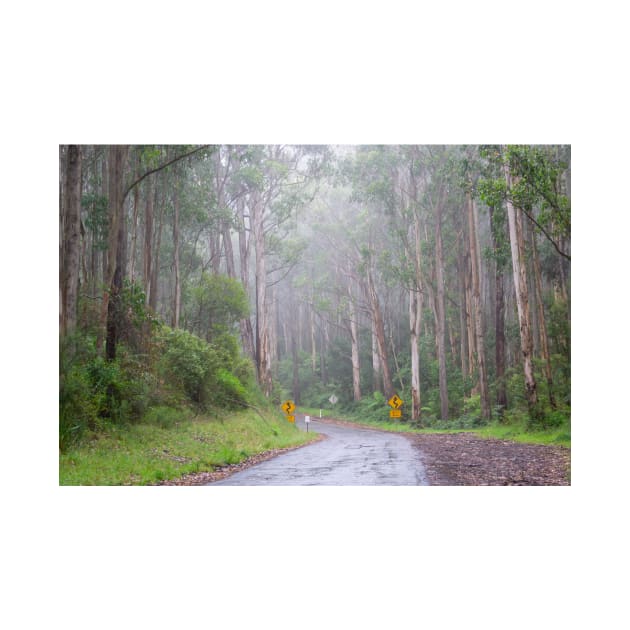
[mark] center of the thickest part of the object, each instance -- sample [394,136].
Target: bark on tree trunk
[296,369]
[499,323]
[245,324]
[379,330]
[479,336]
[134,235]
[515,223]
[262,319]
[155,266]
[415,317]
[440,327]
[147,255]
[71,239]
[463,340]
[117,251]
[354,340]
[377,380]
[542,327]
[116,160]
[177,288]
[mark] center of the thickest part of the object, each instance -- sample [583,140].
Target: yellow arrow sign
[288,407]
[394,402]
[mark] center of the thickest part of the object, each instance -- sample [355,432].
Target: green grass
[148,453]
[517,432]
[560,436]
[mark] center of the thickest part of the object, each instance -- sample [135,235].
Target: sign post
[307,419]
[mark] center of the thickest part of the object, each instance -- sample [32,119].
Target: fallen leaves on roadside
[463,459]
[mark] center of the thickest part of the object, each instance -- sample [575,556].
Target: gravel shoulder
[463,459]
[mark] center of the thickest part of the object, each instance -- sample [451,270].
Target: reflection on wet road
[346,457]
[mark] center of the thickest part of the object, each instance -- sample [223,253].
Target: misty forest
[208,280]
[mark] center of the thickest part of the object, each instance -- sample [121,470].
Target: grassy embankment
[148,452]
[517,432]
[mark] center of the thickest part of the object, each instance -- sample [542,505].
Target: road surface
[348,456]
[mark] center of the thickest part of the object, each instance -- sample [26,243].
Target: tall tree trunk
[105,195]
[379,330]
[117,251]
[155,265]
[117,155]
[262,319]
[245,324]
[71,239]
[415,325]
[147,254]
[479,335]
[296,368]
[542,327]
[230,267]
[463,327]
[499,320]
[354,341]
[515,223]
[177,288]
[377,378]
[440,327]
[471,362]
[312,325]
[134,235]
[415,321]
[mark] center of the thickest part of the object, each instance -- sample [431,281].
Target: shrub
[202,371]
[78,410]
[188,362]
[228,390]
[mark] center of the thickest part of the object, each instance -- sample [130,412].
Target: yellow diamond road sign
[288,407]
[394,402]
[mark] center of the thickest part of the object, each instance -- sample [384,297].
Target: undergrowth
[167,444]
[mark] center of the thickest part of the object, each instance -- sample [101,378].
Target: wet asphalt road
[347,457]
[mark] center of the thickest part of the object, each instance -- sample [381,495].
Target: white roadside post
[307,419]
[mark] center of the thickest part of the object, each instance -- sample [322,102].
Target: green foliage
[215,305]
[94,392]
[202,371]
[187,361]
[229,390]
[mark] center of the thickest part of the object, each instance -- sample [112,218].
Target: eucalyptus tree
[70,235]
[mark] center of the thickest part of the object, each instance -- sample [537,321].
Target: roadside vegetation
[168,443]
[514,426]
[169,403]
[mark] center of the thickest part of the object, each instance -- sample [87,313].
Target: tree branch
[162,167]
[542,229]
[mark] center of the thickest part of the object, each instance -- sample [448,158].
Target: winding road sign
[394,402]
[288,407]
